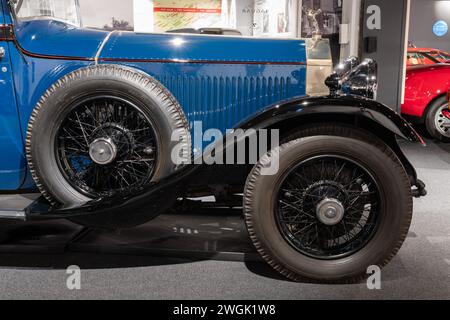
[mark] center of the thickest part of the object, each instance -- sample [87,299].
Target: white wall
[267,18]
[143,16]
[94,14]
[351,14]
[244,16]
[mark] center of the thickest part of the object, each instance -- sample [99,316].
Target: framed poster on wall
[275,18]
[179,14]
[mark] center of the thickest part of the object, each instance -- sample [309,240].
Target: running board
[144,203]
[13,214]
[21,207]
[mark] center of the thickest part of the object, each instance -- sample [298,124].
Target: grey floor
[420,271]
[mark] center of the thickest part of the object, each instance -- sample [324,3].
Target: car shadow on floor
[171,239]
[85,261]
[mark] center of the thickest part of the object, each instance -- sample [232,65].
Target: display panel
[177,14]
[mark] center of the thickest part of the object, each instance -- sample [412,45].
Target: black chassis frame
[224,181]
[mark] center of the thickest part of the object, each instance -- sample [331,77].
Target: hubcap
[106,145]
[328,207]
[442,121]
[330,212]
[103,151]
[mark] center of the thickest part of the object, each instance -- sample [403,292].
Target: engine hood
[202,48]
[55,38]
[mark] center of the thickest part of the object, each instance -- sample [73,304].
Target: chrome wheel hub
[330,212]
[103,151]
[442,122]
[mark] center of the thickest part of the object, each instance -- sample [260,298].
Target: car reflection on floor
[217,234]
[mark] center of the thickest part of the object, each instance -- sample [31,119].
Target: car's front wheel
[337,206]
[437,121]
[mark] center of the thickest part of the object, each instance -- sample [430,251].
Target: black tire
[395,212]
[434,119]
[151,99]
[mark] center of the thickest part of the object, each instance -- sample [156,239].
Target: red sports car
[426,98]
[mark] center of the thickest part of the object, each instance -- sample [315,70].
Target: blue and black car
[93,120]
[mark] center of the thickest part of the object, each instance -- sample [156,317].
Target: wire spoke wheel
[340,202]
[328,207]
[106,145]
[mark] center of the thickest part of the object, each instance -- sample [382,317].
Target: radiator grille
[223,102]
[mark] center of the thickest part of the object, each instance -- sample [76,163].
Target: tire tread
[294,139]
[141,79]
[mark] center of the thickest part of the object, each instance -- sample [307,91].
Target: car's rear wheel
[102,131]
[437,121]
[337,206]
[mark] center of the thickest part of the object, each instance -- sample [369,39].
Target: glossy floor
[207,255]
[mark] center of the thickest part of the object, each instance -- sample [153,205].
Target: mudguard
[358,111]
[352,106]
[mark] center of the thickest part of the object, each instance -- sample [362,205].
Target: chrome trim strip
[6,32]
[136,60]
[102,46]
[12,214]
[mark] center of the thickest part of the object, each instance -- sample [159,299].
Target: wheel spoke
[120,124]
[316,181]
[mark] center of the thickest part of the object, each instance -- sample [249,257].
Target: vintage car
[426,56]
[97,121]
[426,98]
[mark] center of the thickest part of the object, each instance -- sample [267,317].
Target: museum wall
[383,40]
[424,14]
[244,16]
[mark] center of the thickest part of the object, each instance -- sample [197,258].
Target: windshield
[440,55]
[420,58]
[66,10]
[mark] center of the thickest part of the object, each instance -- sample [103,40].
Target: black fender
[352,108]
[360,112]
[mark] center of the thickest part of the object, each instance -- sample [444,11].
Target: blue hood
[56,38]
[201,48]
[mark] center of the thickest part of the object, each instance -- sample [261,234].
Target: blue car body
[217,80]
[88,117]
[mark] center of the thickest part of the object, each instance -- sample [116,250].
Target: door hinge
[6,32]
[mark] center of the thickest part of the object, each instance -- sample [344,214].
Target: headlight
[352,77]
[344,68]
[362,81]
